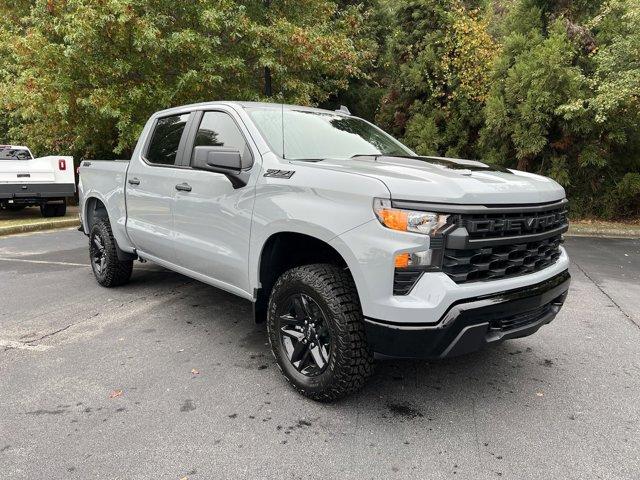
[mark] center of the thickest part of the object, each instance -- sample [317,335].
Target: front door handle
[183,187]
[134,181]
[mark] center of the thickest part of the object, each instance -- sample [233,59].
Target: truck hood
[446,180]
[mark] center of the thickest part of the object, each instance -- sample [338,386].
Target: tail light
[62,164]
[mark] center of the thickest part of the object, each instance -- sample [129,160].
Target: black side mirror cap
[227,161]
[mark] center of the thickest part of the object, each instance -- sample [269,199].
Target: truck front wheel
[107,268]
[316,331]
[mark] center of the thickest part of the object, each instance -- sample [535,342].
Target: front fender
[335,204]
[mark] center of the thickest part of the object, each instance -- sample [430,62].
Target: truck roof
[17,147]
[239,104]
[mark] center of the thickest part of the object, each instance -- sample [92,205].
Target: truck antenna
[282,122]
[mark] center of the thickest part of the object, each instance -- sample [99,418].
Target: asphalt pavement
[170,378]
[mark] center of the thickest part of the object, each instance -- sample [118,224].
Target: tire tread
[118,272]
[337,288]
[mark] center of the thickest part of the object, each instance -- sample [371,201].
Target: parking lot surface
[170,378]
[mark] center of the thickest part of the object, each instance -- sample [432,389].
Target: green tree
[610,112]
[364,92]
[87,74]
[439,61]
[564,100]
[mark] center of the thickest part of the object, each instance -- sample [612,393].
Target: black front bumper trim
[470,324]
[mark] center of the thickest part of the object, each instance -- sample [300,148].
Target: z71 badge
[279,173]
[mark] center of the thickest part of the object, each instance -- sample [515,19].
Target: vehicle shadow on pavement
[410,389]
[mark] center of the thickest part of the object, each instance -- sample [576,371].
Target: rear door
[150,188]
[212,218]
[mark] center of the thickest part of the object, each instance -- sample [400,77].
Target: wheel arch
[94,209]
[284,250]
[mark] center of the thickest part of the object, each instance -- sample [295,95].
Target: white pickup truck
[348,244]
[26,181]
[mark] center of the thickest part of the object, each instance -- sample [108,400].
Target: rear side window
[165,140]
[217,129]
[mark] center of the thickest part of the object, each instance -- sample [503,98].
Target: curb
[602,233]
[35,227]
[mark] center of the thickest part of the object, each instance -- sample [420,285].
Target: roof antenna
[282,122]
[344,110]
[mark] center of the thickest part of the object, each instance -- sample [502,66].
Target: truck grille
[513,224]
[507,243]
[491,263]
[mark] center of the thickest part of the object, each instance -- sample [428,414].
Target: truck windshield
[10,153]
[313,136]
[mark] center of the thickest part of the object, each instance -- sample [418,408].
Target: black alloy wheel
[304,334]
[108,269]
[98,253]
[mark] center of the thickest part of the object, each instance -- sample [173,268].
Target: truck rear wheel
[53,209]
[108,269]
[316,331]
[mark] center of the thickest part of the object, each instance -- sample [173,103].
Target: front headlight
[426,223]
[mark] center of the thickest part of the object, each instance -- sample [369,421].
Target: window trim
[181,145]
[187,154]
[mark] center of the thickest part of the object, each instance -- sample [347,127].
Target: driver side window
[217,129]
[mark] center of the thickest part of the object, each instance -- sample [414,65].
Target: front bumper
[470,324]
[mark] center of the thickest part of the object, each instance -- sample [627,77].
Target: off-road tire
[114,272]
[350,362]
[53,210]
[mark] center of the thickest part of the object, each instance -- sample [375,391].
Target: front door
[212,219]
[150,189]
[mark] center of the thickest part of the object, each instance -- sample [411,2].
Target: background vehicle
[26,181]
[347,243]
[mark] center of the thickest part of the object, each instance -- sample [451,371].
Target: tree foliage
[439,58]
[547,87]
[85,75]
[551,87]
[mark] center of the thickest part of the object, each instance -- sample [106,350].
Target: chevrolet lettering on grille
[531,223]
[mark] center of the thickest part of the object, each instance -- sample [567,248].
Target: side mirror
[227,161]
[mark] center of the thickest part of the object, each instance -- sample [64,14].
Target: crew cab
[350,246]
[26,181]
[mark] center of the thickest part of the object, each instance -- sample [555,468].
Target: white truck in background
[26,181]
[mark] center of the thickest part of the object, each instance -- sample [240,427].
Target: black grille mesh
[490,263]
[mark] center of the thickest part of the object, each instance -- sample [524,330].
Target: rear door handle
[183,187]
[134,181]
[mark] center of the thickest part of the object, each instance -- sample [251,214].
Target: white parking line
[71,264]
[45,262]
[23,346]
